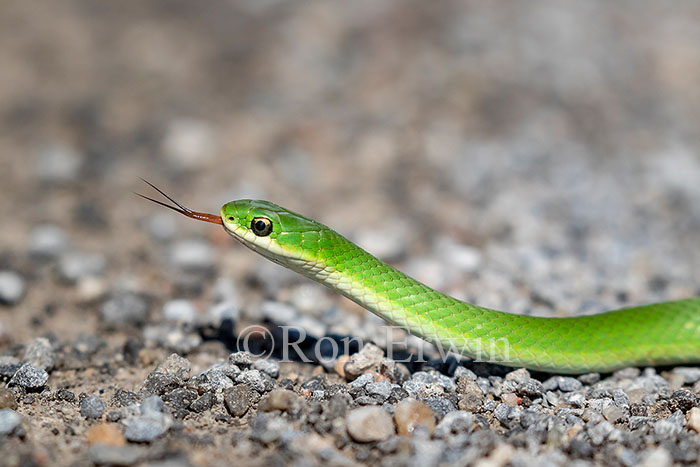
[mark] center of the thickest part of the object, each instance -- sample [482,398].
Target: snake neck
[365,279]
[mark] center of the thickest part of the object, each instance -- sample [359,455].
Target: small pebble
[192,256]
[175,365]
[180,310]
[105,433]
[278,313]
[12,288]
[510,398]
[369,424]
[7,399]
[92,407]
[410,414]
[217,314]
[9,421]
[454,423]
[205,402]
[29,377]
[124,309]
[657,457]
[237,399]
[152,405]
[105,454]
[271,367]
[217,377]
[380,389]
[40,353]
[181,398]
[508,415]
[278,399]
[147,428]
[693,417]
[519,376]
[58,163]
[173,337]
[369,357]
[257,380]
[74,266]
[689,375]
[241,359]
[188,142]
[614,414]
[47,241]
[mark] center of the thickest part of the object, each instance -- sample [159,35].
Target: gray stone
[237,399]
[180,310]
[152,405]
[530,388]
[59,164]
[12,287]
[439,405]
[188,142]
[381,390]
[241,359]
[217,314]
[105,454]
[9,421]
[92,407]
[519,376]
[369,357]
[205,402]
[257,380]
[75,266]
[271,367]
[666,429]
[689,375]
[175,365]
[279,399]
[217,377]
[147,428]
[508,415]
[563,383]
[362,381]
[192,256]
[599,432]
[47,241]
[369,424]
[172,337]
[40,353]
[454,423]
[124,309]
[29,377]
[278,313]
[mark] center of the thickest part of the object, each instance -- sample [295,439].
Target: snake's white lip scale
[660,334]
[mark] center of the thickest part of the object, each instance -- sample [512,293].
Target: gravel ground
[540,158]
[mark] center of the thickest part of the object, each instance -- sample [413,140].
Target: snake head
[273,231]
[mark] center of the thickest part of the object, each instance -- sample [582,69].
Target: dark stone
[205,402]
[159,383]
[92,407]
[180,398]
[682,400]
[237,399]
[123,398]
[65,395]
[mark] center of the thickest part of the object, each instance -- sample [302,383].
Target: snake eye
[261,226]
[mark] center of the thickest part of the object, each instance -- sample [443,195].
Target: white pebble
[12,287]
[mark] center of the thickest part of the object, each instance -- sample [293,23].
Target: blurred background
[540,157]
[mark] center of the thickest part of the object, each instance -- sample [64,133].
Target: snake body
[659,334]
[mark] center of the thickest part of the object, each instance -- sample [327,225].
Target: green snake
[659,334]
